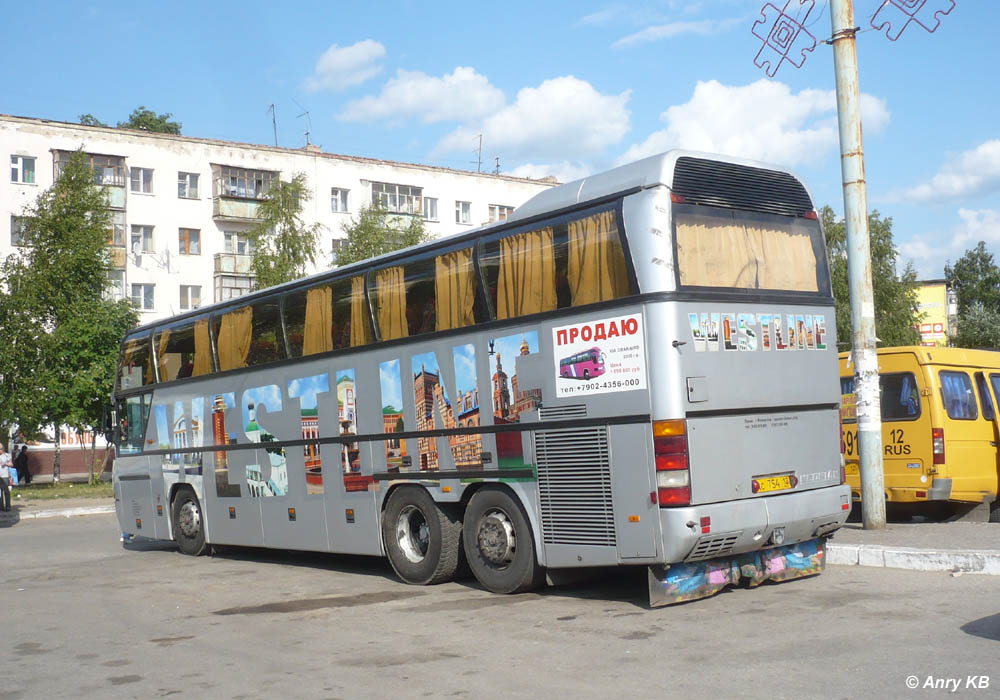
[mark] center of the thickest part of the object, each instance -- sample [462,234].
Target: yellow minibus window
[956,392]
[985,400]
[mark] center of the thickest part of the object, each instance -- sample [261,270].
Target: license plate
[851,468]
[764,484]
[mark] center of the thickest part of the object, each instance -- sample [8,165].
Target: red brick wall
[71,462]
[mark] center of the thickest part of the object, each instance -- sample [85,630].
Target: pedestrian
[4,480]
[21,464]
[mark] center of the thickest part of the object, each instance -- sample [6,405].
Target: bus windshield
[729,248]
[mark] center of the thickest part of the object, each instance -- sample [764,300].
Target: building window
[116,284]
[22,169]
[142,180]
[243,183]
[236,243]
[190,296]
[187,185]
[142,296]
[431,208]
[118,228]
[338,200]
[463,212]
[142,239]
[108,170]
[17,224]
[189,241]
[398,199]
[500,212]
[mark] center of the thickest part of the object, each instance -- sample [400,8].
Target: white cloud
[342,66]
[930,251]
[462,94]
[561,117]
[564,171]
[972,173]
[705,27]
[764,121]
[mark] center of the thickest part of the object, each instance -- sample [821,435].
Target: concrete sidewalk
[956,547]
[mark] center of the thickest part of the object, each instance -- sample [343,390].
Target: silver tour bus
[413,405]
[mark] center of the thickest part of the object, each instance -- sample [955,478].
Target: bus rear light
[937,441]
[676,198]
[674,497]
[666,463]
[811,214]
[706,525]
[921,494]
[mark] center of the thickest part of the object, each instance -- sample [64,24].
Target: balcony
[235,209]
[232,264]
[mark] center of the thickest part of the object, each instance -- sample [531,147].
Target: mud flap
[679,583]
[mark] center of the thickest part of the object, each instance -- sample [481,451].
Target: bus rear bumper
[751,524]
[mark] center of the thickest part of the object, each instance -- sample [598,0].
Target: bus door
[989,387]
[134,472]
[906,430]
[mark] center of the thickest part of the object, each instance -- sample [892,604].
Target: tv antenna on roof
[305,113]
[274,122]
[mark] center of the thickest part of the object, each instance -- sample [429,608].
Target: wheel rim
[413,534]
[189,519]
[496,538]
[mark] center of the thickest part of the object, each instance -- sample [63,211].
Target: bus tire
[995,511]
[423,540]
[188,523]
[499,543]
[586,375]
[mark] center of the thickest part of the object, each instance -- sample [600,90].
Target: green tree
[90,120]
[148,120]
[975,278]
[61,367]
[894,294]
[376,232]
[281,244]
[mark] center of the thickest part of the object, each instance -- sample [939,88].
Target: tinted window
[899,397]
[136,367]
[985,400]
[572,261]
[327,317]
[956,392]
[133,413]
[250,335]
[183,350]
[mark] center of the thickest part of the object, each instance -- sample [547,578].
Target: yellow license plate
[851,468]
[763,484]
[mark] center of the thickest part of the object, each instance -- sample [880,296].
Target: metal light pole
[859,266]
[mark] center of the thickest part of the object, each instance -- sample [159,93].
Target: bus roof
[936,355]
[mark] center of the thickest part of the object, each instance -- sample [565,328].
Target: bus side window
[183,351]
[249,335]
[327,317]
[984,397]
[133,413]
[956,392]
[136,366]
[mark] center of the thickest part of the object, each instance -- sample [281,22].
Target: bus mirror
[108,423]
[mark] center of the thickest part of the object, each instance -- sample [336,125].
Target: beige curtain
[202,349]
[234,338]
[730,254]
[454,290]
[527,283]
[390,303]
[317,336]
[161,355]
[596,268]
[361,333]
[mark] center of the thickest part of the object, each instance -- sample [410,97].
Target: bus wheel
[188,523]
[498,543]
[422,539]
[586,374]
[995,511]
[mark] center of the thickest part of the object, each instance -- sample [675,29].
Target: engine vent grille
[574,486]
[733,186]
[558,412]
[713,546]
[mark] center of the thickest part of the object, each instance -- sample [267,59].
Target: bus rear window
[183,351]
[136,367]
[899,397]
[731,249]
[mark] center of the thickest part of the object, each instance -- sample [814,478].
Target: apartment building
[181,205]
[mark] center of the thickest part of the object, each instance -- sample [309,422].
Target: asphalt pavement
[956,547]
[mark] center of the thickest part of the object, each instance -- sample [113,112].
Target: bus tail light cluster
[670,449]
[937,440]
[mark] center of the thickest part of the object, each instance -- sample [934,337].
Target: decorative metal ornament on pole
[859,269]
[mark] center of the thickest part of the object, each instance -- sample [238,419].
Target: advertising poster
[600,357]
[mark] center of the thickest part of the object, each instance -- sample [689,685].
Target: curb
[956,561]
[62,513]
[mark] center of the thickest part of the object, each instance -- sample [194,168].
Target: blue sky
[554,88]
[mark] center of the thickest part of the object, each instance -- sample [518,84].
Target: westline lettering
[750,332]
